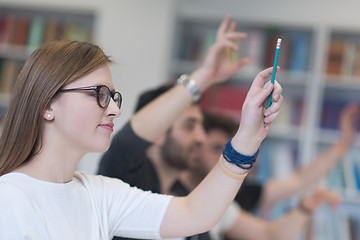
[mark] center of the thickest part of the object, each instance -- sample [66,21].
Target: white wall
[343,13]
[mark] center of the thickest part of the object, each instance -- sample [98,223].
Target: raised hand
[252,130]
[216,67]
[319,197]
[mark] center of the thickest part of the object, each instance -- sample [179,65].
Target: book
[285,120]
[350,188]
[331,111]
[299,52]
[348,67]
[262,166]
[208,39]
[2,27]
[21,31]
[74,31]
[335,57]
[36,32]
[8,30]
[357,62]
[253,48]
[50,30]
[272,36]
[335,179]
[284,52]
[225,99]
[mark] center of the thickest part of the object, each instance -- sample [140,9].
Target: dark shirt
[126,159]
[249,194]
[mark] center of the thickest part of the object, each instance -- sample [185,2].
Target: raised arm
[203,207]
[215,68]
[287,227]
[280,189]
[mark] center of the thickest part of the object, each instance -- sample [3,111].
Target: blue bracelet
[234,157]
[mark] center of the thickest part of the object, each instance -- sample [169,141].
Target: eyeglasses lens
[104,96]
[117,99]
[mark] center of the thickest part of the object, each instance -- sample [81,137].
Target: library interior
[319,60]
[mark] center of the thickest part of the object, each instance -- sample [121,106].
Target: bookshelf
[195,35]
[320,73]
[22,30]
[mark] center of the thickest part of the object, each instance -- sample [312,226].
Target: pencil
[274,69]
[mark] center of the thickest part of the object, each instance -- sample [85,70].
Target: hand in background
[252,130]
[216,67]
[319,197]
[348,123]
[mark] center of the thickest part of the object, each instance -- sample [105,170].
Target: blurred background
[153,42]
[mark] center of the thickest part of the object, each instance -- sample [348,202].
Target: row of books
[225,99]
[228,100]
[259,46]
[345,177]
[277,159]
[21,31]
[334,225]
[343,58]
[331,112]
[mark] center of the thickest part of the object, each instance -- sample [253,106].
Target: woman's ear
[49,114]
[50,110]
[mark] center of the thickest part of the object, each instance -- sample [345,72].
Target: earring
[49,115]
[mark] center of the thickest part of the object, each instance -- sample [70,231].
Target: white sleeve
[15,216]
[128,211]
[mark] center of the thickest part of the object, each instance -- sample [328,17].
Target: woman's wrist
[245,145]
[202,80]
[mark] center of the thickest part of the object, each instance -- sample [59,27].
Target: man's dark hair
[221,122]
[150,95]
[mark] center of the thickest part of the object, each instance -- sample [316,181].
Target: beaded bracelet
[228,172]
[234,157]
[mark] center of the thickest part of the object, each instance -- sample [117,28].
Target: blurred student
[252,194]
[237,223]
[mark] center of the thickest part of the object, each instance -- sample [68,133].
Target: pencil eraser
[278,43]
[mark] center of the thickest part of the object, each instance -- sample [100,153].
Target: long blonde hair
[48,69]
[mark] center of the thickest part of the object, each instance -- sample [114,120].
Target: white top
[89,208]
[226,222]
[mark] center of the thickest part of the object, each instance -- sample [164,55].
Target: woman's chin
[100,148]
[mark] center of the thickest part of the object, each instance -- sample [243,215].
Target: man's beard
[175,155]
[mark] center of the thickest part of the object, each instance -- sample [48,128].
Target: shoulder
[103,187]
[95,181]
[116,195]
[19,218]
[10,189]
[13,198]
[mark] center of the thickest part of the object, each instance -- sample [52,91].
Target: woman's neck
[57,168]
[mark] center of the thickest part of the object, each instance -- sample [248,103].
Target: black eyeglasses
[103,94]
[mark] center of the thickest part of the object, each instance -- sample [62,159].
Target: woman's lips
[108,126]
